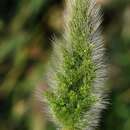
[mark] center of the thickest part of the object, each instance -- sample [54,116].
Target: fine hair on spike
[76,73]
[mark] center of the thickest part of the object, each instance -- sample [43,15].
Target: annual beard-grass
[76,71]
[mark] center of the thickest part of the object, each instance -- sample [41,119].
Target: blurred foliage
[25,33]
[117,34]
[26,30]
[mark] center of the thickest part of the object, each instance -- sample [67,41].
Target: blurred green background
[27,28]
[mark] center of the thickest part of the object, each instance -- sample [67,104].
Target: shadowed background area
[27,28]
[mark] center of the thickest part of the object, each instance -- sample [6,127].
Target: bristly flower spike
[77,72]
